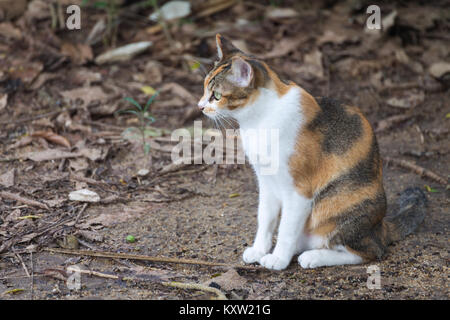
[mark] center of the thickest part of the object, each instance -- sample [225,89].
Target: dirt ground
[207,212]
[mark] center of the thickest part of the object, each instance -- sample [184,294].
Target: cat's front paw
[310,259]
[271,261]
[252,255]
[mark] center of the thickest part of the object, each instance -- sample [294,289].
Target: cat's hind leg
[339,255]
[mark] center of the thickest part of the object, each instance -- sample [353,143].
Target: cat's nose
[201,105]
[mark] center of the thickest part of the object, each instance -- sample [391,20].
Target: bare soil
[208,212]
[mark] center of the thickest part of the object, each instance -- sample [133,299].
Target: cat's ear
[241,72]
[224,46]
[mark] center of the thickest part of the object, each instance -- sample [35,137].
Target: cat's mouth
[209,111]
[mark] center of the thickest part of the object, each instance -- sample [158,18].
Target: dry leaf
[7,179]
[314,61]
[3,101]
[87,95]
[13,216]
[275,13]
[439,69]
[42,79]
[112,218]
[85,77]
[153,72]
[389,122]
[178,90]
[123,53]
[84,195]
[91,235]
[283,47]
[37,10]
[26,71]
[94,154]
[54,203]
[52,137]
[11,9]
[230,280]
[20,143]
[78,164]
[7,30]
[79,53]
[329,36]
[410,99]
[51,154]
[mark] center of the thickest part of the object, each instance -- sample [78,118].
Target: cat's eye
[217,95]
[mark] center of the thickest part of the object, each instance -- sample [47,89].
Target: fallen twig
[87,180]
[114,255]
[195,286]
[32,275]
[23,263]
[173,284]
[34,203]
[80,213]
[388,123]
[417,169]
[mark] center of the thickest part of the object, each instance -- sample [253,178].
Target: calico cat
[328,186]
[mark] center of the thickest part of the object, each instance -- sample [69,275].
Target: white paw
[252,255]
[273,262]
[311,259]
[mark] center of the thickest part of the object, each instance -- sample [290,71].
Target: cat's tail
[411,208]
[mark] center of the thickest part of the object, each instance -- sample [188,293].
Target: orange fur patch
[310,167]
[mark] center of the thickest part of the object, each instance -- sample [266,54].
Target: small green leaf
[153,132]
[146,148]
[150,101]
[100,4]
[13,291]
[194,65]
[447,116]
[234,195]
[430,189]
[134,102]
[130,111]
[150,118]
[130,239]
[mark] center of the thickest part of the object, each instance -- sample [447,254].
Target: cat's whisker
[223,121]
[227,120]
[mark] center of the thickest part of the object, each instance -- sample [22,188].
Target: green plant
[162,22]
[144,117]
[111,8]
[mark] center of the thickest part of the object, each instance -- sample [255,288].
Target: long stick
[113,255]
[173,284]
[12,196]
[417,169]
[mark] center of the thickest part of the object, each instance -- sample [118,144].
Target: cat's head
[235,80]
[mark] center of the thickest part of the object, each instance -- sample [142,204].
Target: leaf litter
[55,124]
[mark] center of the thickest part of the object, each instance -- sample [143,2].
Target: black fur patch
[359,227]
[339,128]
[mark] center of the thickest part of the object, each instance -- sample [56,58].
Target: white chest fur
[269,130]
